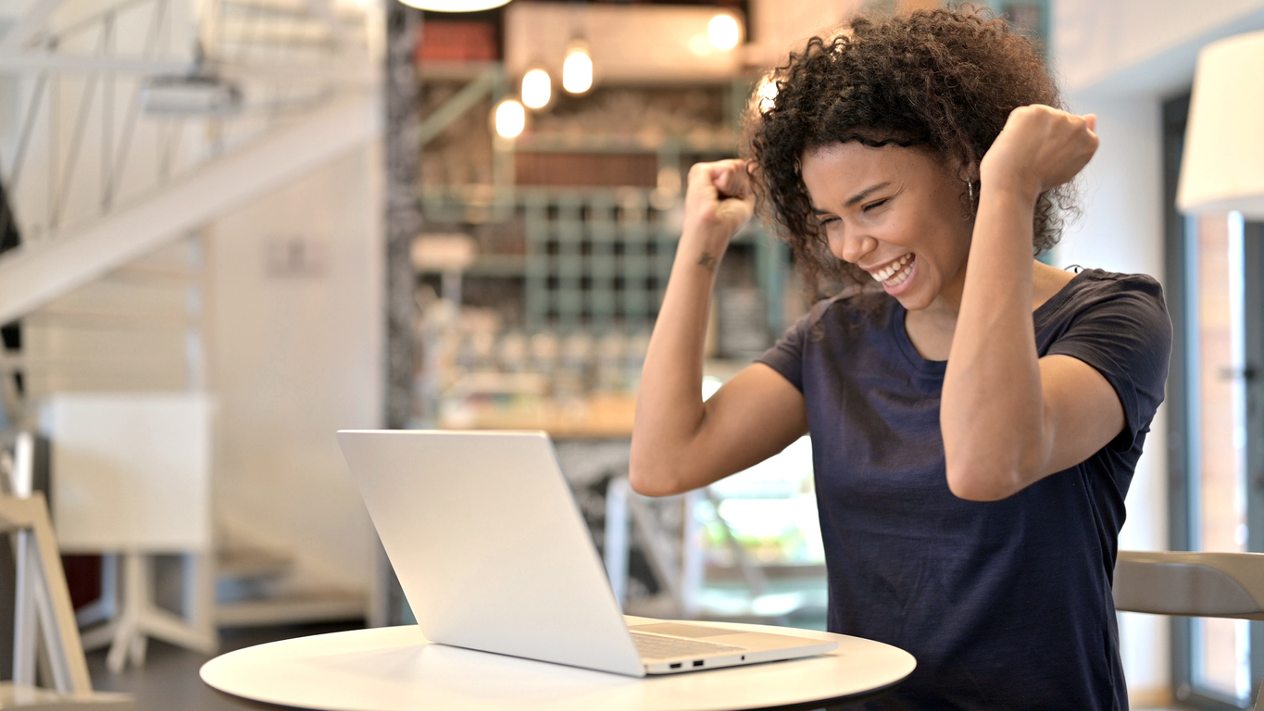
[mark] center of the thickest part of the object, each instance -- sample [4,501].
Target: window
[1215,270]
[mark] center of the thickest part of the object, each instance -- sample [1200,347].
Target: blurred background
[231,227]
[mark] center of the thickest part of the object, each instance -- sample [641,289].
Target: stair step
[251,563]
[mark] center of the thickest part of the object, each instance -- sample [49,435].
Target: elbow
[973,481]
[994,474]
[982,492]
[648,479]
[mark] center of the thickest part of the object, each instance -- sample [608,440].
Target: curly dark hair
[941,80]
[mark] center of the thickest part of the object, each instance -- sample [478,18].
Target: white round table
[396,668]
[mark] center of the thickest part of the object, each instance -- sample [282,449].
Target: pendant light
[537,88]
[454,5]
[577,68]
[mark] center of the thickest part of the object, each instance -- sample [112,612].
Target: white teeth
[892,269]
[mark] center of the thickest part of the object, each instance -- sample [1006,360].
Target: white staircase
[36,273]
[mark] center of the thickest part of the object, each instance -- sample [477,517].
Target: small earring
[970,192]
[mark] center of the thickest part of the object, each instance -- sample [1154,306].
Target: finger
[731,179]
[701,180]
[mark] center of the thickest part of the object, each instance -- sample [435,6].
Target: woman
[975,415]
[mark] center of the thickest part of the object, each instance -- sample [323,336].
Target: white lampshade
[454,5]
[1223,164]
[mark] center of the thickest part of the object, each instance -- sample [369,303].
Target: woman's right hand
[718,202]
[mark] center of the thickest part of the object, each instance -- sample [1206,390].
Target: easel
[43,611]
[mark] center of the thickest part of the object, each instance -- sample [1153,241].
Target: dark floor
[169,680]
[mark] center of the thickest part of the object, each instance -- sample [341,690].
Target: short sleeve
[786,355]
[1126,335]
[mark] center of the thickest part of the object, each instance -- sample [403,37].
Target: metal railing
[119,102]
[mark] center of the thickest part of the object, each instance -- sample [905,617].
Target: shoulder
[1109,320]
[1105,317]
[1092,285]
[1097,292]
[1118,324]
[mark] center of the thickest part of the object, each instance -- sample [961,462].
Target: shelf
[488,265]
[450,69]
[599,416]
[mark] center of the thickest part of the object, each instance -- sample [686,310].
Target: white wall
[1140,47]
[1120,60]
[296,353]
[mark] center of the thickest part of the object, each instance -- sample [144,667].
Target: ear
[966,172]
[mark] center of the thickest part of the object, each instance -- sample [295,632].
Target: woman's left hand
[1039,149]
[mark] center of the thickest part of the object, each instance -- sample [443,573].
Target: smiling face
[897,214]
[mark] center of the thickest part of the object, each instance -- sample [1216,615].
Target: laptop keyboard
[652,646]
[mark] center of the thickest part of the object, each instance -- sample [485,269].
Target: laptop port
[698,663]
[674,665]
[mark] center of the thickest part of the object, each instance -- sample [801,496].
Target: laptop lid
[489,546]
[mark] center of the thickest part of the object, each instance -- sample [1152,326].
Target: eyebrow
[858,197]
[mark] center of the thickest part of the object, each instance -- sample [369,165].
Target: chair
[678,559]
[42,608]
[1193,584]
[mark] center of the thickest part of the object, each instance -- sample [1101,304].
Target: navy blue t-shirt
[1005,604]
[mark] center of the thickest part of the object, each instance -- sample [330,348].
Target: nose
[852,247]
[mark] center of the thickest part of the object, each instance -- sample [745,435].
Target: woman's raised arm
[678,442]
[1009,418]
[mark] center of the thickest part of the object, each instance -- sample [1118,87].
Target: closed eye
[826,220]
[875,204]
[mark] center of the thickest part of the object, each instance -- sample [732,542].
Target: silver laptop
[493,555]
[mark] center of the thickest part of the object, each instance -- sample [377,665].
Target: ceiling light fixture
[509,118]
[577,68]
[724,31]
[454,5]
[537,88]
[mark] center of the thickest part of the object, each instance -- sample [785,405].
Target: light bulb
[724,32]
[537,88]
[510,118]
[577,69]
